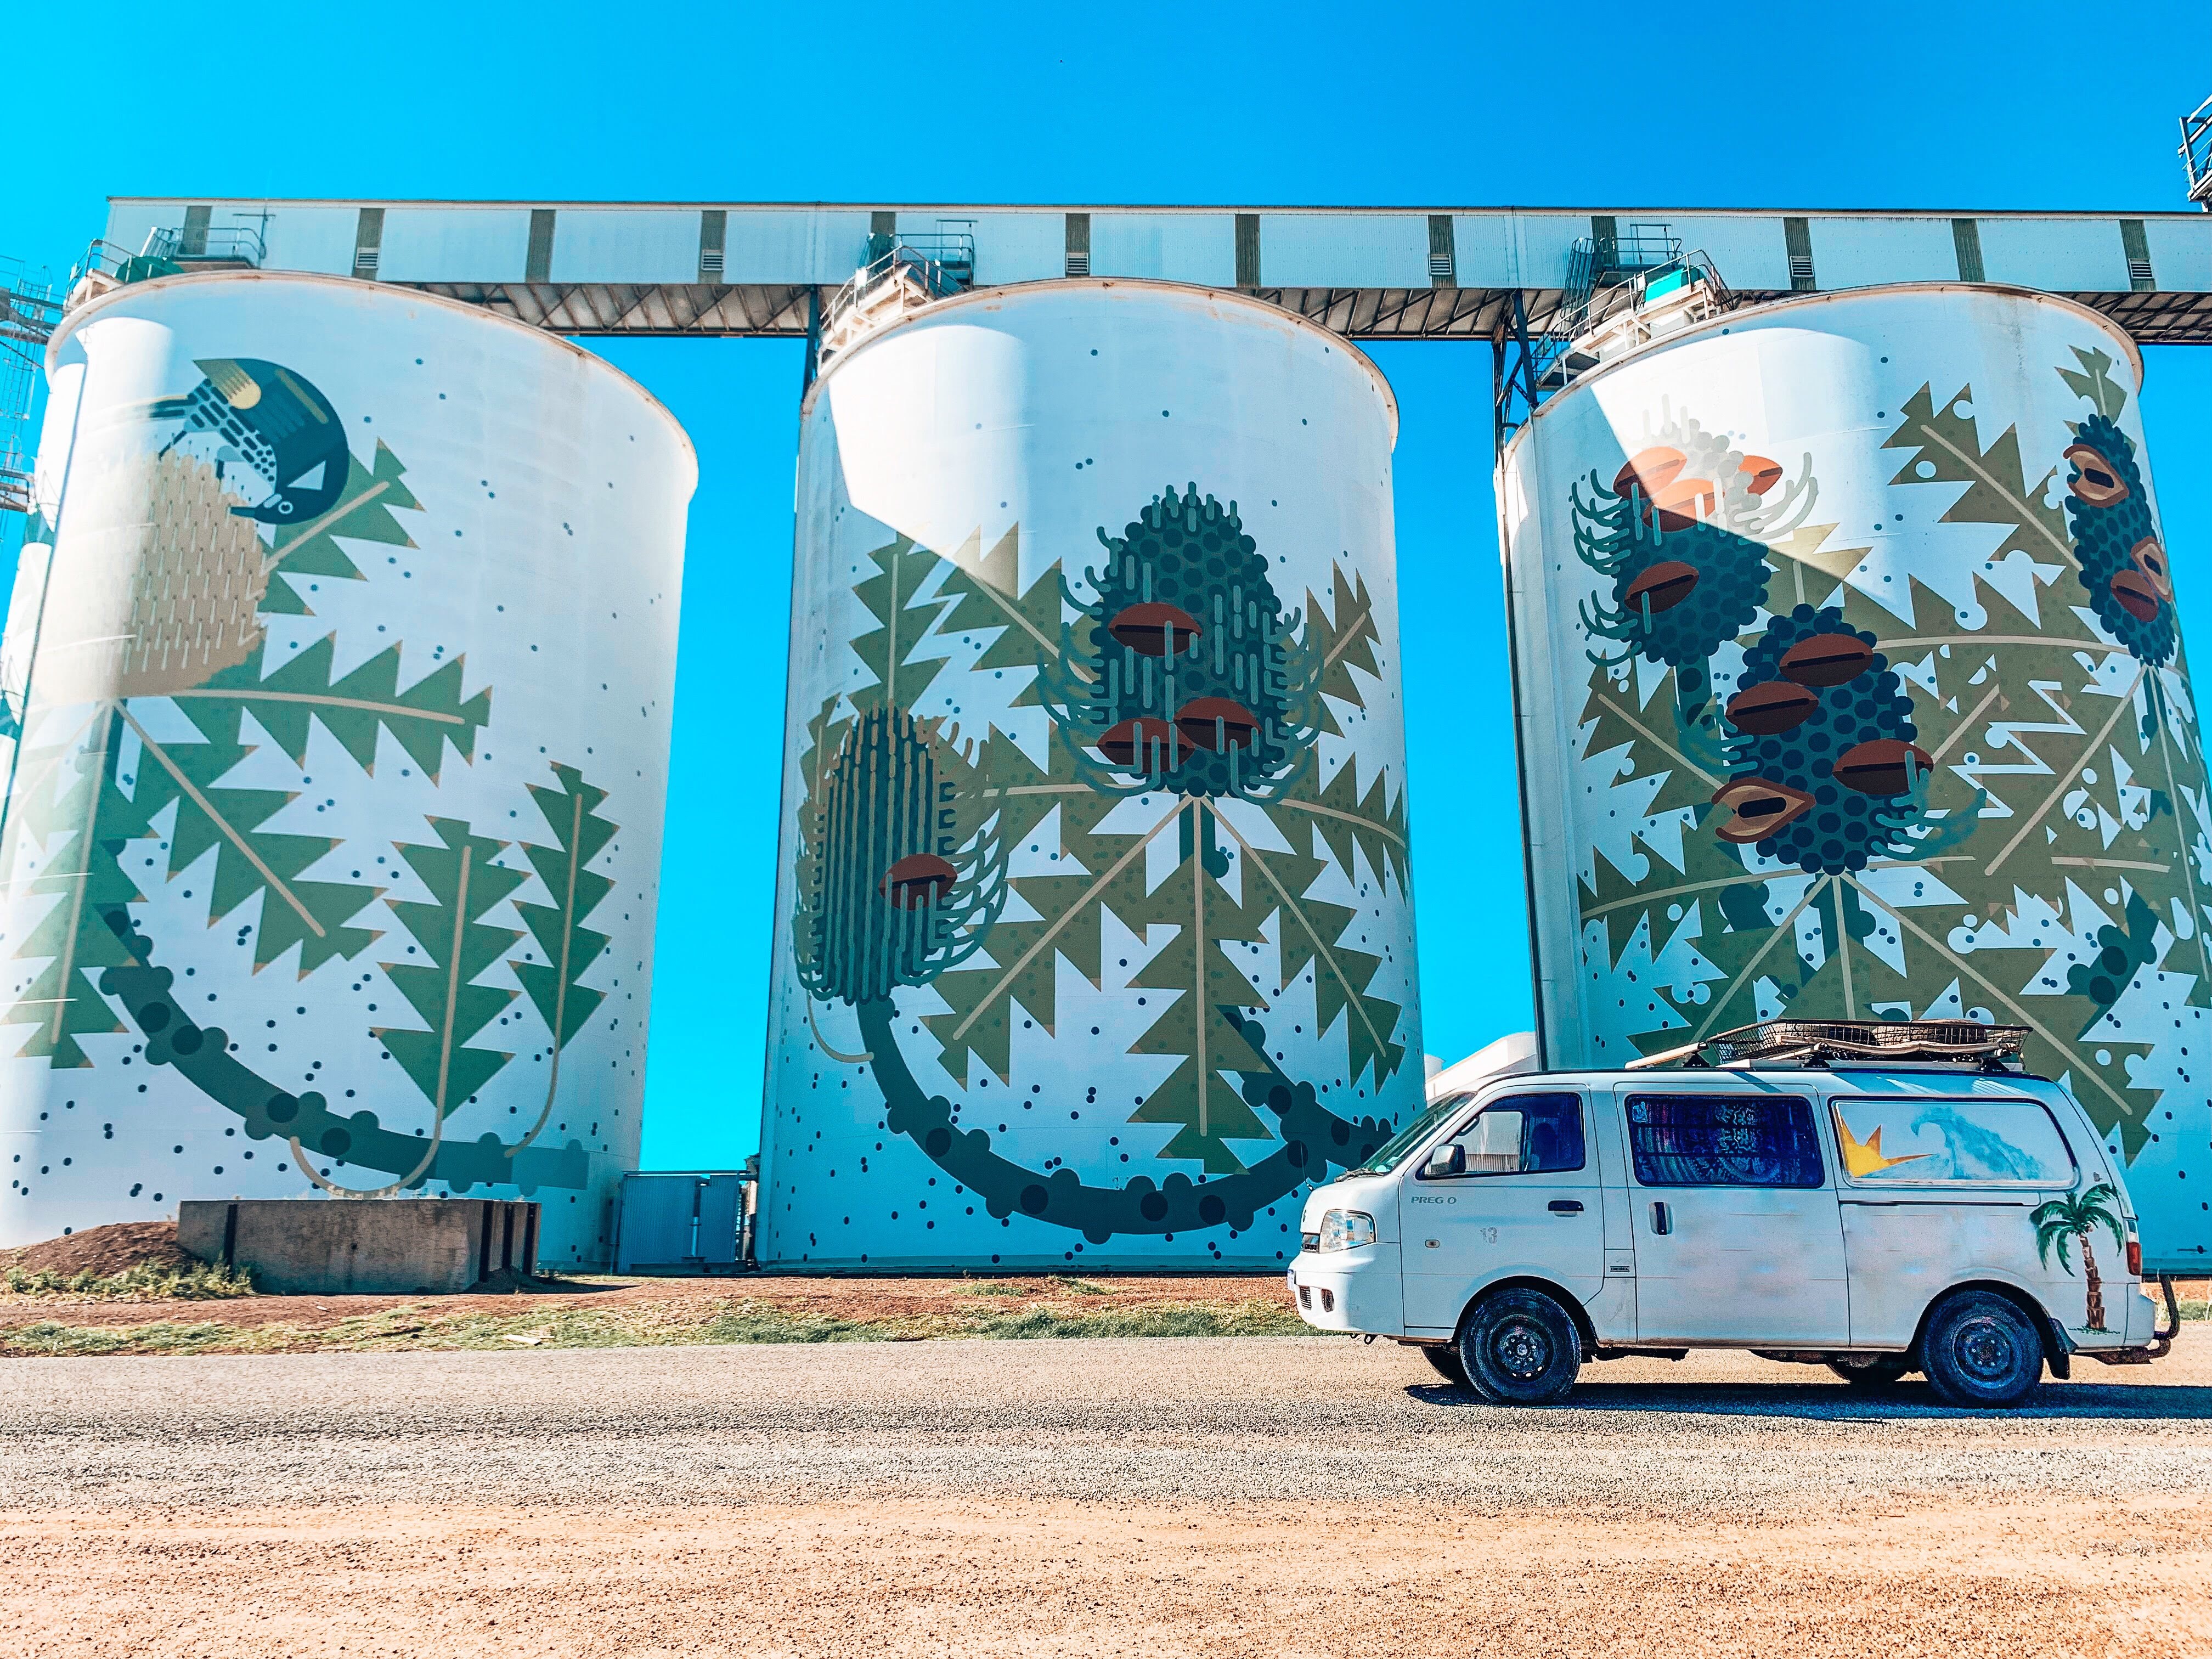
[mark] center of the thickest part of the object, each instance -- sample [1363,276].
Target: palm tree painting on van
[2063,1219]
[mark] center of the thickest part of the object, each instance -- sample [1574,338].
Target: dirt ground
[2083,1579]
[1238,1499]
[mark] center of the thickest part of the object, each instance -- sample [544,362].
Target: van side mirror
[1447,1160]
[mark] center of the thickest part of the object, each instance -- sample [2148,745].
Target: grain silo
[1093,935]
[1851,685]
[343,651]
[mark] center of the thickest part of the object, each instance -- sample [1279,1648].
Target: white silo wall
[1983,795]
[340,785]
[1031,1006]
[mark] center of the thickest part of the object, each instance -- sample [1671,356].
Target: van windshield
[1395,1151]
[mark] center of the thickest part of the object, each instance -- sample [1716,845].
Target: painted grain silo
[343,656]
[1093,935]
[1851,685]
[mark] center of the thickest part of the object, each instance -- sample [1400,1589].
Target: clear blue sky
[1960,106]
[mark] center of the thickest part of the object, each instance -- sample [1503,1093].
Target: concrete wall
[400,1247]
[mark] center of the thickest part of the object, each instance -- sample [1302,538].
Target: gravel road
[1266,1419]
[1240,1499]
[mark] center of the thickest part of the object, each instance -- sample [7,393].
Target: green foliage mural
[1176,798]
[159,784]
[1926,806]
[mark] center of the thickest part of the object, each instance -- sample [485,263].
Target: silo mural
[1095,936]
[1852,686]
[339,670]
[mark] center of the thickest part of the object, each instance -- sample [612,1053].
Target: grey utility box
[363,1247]
[682,1222]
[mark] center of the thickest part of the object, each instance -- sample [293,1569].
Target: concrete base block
[363,1247]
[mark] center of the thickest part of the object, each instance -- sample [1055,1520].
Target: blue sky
[1958,107]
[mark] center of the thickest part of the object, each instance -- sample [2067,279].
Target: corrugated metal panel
[1860,252]
[794,245]
[454,244]
[2180,253]
[623,245]
[1328,249]
[320,239]
[1748,251]
[1175,247]
[1018,247]
[2066,256]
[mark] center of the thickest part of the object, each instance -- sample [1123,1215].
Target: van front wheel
[1521,1348]
[1981,1350]
[1446,1360]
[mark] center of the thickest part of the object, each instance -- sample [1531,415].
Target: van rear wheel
[1446,1360]
[1981,1350]
[1521,1348]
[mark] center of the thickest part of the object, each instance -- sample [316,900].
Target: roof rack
[1827,1042]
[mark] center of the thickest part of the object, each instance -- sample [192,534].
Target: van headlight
[1347,1229]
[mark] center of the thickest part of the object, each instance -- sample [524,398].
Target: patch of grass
[50,1338]
[201,1282]
[421,1327]
[1079,1286]
[996,1289]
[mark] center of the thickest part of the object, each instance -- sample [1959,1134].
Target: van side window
[1906,1141]
[1522,1134]
[1722,1140]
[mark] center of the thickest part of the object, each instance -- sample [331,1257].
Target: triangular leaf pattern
[78,819]
[363,514]
[454,945]
[249,859]
[887,650]
[422,719]
[556,986]
[1196,969]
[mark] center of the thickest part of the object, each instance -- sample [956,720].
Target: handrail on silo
[2197,153]
[902,273]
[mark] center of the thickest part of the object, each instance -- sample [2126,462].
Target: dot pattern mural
[1096,941]
[339,742]
[1947,765]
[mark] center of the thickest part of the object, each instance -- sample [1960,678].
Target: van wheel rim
[1522,1350]
[1985,1350]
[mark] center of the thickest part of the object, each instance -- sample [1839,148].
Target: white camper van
[1878,1198]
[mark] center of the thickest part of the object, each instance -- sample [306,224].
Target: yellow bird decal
[1864,1159]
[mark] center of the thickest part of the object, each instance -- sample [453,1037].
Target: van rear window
[2008,1143]
[1724,1141]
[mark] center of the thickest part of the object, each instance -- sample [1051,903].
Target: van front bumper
[1355,1291]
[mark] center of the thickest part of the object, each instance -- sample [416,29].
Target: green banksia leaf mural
[457,945]
[1957,773]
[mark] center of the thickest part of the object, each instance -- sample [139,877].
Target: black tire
[1873,1374]
[1982,1351]
[1521,1348]
[1446,1360]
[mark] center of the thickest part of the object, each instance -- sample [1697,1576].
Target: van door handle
[1662,1220]
[1566,1207]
